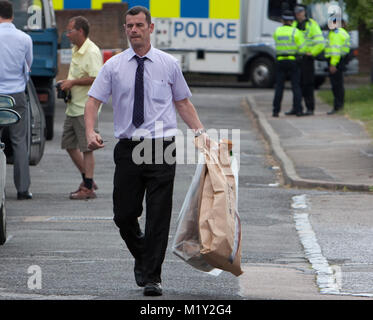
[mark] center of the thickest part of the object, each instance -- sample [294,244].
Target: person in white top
[147,88]
[15,62]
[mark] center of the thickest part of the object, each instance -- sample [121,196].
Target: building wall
[106,28]
[106,25]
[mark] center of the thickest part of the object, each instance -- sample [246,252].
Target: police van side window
[275,8]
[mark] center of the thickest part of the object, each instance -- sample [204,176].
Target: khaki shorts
[73,135]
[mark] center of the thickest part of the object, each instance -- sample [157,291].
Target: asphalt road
[77,248]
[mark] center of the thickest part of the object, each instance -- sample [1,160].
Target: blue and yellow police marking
[194,8]
[222,9]
[165,9]
[58,4]
[213,9]
[97,4]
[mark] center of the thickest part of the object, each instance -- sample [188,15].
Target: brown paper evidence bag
[208,235]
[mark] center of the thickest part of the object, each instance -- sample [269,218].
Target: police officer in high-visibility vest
[336,51]
[289,44]
[314,45]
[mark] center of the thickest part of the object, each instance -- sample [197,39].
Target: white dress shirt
[15,58]
[164,83]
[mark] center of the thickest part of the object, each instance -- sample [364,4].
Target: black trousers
[155,180]
[307,68]
[283,69]
[337,82]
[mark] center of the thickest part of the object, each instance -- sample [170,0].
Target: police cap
[287,15]
[299,8]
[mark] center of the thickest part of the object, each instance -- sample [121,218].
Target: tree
[360,14]
[361,17]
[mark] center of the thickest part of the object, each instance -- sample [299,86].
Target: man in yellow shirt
[85,64]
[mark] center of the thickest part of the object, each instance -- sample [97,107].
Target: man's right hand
[332,69]
[94,141]
[66,84]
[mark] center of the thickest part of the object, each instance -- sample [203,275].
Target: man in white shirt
[147,87]
[15,63]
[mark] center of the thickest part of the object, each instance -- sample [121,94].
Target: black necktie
[138,106]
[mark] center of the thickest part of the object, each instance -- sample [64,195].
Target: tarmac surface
[319,151]
[77,245]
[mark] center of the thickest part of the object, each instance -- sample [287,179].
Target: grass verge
[358,104]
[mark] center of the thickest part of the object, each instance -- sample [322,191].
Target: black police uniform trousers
[132,181]
[337,82]
[283,69]
[307,69]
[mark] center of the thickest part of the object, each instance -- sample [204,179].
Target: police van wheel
[262,73]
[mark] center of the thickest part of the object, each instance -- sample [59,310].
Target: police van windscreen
[275,8]
[28,14]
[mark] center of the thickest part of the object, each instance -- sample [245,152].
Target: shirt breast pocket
[160,91]
[76,70]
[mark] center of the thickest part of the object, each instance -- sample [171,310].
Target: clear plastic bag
[186,244]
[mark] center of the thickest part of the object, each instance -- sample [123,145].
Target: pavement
[321,151]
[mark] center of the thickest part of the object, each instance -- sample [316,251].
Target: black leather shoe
[300,114]
[275,115]
[24,195]
[291,113]
[139,277]
[153,289]
[308,113]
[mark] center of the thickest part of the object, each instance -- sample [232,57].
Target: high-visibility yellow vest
[289,42]
[315,42]
[347,43]
[333,50]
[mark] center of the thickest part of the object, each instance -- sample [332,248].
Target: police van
[223,37]
[230,37]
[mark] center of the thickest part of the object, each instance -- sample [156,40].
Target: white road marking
[328,278]
[78,218]
[64,218]
[34,296]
